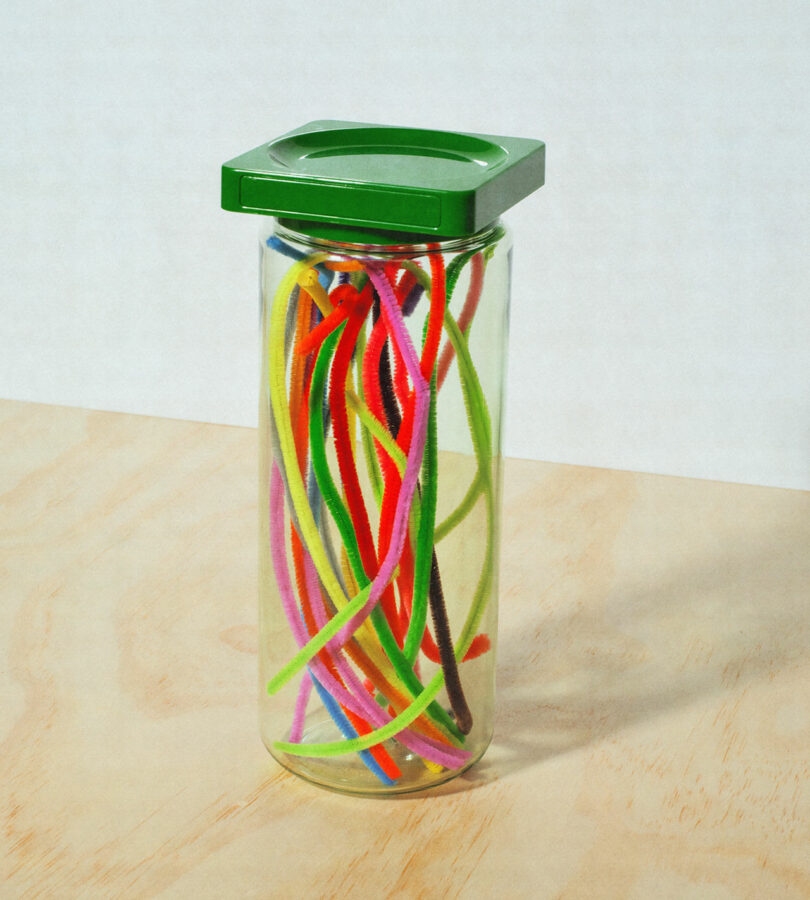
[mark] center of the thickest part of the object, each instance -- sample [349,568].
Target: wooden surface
[653,731]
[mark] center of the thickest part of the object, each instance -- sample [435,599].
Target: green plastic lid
[442,183]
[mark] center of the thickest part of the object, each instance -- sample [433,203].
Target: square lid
[442,183]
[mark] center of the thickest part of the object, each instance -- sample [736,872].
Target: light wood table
[653,734]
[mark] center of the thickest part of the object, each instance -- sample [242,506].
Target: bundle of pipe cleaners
[340,354]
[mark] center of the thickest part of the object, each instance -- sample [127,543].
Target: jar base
[349,775]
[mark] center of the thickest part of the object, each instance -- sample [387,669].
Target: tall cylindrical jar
[380,420]
[382,380]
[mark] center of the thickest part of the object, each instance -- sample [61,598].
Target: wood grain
[654,688]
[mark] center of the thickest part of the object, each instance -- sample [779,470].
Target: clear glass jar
[382,383]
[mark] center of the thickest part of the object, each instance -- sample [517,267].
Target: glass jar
[382,383]
[385,293]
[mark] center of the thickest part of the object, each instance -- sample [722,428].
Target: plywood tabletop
[654,688]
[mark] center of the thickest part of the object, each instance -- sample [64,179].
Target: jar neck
[362,242]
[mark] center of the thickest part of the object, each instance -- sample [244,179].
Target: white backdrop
[660,290]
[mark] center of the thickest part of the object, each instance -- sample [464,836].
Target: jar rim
[399,244]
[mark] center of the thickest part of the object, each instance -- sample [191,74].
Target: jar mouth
[362,242]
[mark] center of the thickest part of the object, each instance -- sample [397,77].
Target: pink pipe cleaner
[419,743]
[361,704]
[396,327]
[297,728]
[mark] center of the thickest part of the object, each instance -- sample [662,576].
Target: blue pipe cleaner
[325,276]
[347,730]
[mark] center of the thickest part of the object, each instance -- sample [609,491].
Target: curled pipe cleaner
[360,657]
[421,389]
[284,453]
[361,703]
[383,393]
[341,751]
[455,267]
[318,641]
[300,441]
[375,430]
[290,318]
[373,426]
[430,583]
[343,521]
[426,570]
[373,380]
[392,729]
[398,701]
[293,618]
[481,430]
[388,500]
[479,260]
[430,750]
[388,300]
[372,663]
[341,434]
[393,484]
[481,433]
[362,650]
[285,449]
[418,706]
[480,645]
[378,382]
[324,668]
[317,441]
[465,318]
[416,625]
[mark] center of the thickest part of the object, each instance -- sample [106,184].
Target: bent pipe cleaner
[327,489]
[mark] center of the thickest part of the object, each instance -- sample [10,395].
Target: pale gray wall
[660,304]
